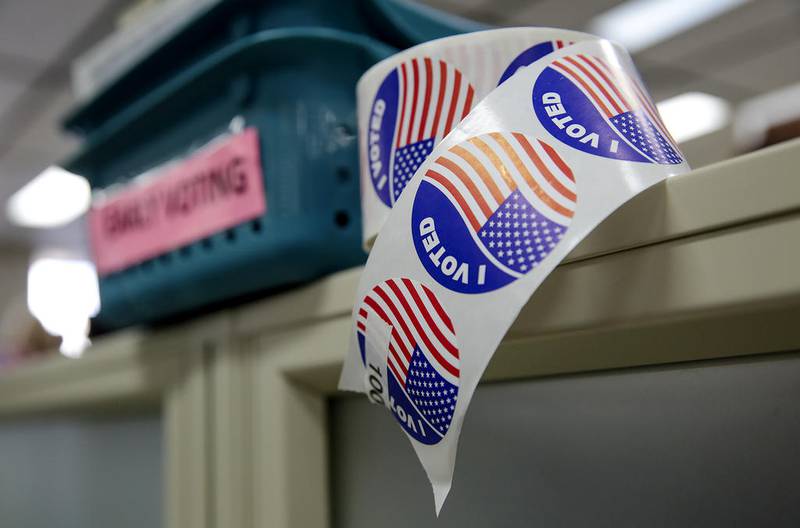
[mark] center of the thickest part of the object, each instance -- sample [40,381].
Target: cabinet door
[74,471]
[703,444]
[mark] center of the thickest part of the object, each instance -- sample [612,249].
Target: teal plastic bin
[297,86]
[397,23]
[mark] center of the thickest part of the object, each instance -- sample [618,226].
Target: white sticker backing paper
[487,215]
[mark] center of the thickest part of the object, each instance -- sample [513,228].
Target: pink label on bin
[214,189]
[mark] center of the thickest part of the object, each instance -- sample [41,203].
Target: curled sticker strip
[487,215]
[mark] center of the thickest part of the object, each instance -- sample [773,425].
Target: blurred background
[725,74]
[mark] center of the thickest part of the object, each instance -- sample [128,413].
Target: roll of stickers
[487,214]
[409,103]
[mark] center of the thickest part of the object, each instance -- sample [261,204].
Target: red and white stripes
[612,91]
[434,98]
[480,173]
[417,319]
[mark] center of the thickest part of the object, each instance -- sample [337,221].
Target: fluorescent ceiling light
[53,198]
[694,114]
[638,24]
[63,294]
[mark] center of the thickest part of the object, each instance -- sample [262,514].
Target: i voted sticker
[591,106]
[490,210]
[418,103]
[421,370]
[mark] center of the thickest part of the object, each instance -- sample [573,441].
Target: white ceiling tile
[556,13]
[19,68]
[40,29]
[44,133]
[10,91]
[18,166]
[768,72]
[724,34]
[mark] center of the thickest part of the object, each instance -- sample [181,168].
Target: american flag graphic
[423,355]
[515,193]
[624,103]
[434,98]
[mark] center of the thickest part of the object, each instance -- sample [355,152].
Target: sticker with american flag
[592,105]
[531,55]
[490,209]
[491,212]
[423,355]
[419,102]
